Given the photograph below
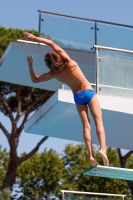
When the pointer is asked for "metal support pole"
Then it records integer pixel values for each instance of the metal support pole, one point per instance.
(62, 86)
(90, 193)
(97, 71)
(63, 196)
(96, 33)
(39, 26)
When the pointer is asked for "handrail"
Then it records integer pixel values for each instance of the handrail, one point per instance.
(112, 49)
(87, 19)
(93, 193)
(97, 47)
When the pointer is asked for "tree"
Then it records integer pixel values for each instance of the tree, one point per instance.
(4, 159)
(126, 162)
(21, 101)
(76, 160)
(9, 35)
(17, 102)
(41, 174)
(5, 194)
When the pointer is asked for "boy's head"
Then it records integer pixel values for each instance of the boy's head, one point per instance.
(54, 61)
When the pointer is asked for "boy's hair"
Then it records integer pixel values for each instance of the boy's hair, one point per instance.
(54, 61)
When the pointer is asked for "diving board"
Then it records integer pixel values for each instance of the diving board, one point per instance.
(110, 172)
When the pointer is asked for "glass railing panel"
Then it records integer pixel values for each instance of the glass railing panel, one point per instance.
(68, 32)
(115, 74)
(115, 36)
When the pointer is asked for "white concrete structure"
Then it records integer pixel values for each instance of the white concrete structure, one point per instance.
(58, 118)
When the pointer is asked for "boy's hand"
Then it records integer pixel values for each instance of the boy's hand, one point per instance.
(30, 59)
(29, 36)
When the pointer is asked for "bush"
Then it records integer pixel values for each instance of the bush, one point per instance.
(5, 194)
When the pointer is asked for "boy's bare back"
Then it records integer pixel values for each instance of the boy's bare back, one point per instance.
(72, 76)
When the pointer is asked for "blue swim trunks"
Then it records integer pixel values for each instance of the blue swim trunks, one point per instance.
(84, 97)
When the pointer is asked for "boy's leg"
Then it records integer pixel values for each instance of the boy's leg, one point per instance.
(97, 116)
(83, 113)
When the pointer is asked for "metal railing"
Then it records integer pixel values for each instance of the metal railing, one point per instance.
(106, 36)
(91, 193)
(87, 19)
(103, 27)
(97, 47)
(112, 49)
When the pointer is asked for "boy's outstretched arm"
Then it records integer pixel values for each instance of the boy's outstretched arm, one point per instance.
(43, 77)
(55, 47)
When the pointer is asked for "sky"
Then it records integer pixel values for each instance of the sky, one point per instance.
(23, 14)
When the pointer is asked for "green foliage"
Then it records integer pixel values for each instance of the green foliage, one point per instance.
(42, 173)
(5, 194)
(11, 34)
(48, 173)
(4, 158)
(129, 163)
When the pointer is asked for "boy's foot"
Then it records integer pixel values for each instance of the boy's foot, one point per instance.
(93, 162)
(104, 157)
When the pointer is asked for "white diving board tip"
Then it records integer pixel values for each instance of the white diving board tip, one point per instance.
(110, 172)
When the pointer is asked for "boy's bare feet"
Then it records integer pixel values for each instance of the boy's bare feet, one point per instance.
(104, 157)
(93, 162)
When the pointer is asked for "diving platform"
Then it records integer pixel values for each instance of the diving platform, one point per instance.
(58, 118)
(110, 172)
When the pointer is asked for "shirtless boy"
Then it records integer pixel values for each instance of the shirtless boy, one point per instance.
(66, 70)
